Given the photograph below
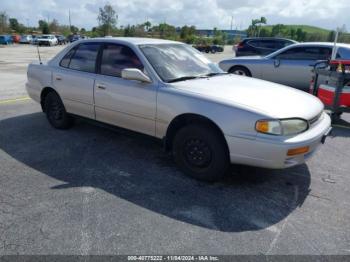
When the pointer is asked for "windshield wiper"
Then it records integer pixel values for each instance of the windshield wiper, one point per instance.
(183, 78)
(214, 74)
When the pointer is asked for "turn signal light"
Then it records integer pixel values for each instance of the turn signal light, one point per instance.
(298, 151)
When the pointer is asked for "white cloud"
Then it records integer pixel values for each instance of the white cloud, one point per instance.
(202, 13)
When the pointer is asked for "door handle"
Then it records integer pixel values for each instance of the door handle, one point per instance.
(58, 78)
(102, 87)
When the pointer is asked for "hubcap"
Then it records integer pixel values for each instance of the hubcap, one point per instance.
(197, 153)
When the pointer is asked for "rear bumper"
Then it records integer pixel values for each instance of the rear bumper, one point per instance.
(271, 152)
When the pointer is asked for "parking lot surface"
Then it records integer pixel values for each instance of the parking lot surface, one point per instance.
(97, 190)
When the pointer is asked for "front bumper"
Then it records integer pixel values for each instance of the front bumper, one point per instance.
(271, 151)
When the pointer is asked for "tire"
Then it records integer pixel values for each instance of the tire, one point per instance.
(56, 113)
(201, 152)
(240, 70)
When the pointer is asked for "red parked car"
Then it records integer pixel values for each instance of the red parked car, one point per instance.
(16, 38)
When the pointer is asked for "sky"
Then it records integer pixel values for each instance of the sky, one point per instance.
(204, 14)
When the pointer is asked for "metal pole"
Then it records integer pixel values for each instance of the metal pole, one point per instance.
(334, 52)
(70, 23)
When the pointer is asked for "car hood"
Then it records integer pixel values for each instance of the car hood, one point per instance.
(270, 99)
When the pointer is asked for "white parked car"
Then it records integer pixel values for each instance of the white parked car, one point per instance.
(49, 40)
(166, 89)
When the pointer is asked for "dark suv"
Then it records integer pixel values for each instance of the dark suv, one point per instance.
(261, 46)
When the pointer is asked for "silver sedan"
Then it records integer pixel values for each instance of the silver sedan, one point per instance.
(289, 66)
(205, 117)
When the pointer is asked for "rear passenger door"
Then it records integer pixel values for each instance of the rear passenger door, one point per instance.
(293, 66)
(75, 77)
(126, 103)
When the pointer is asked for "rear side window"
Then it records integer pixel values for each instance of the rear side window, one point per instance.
(254, 43)
(66, 59)
(116, 57)
(82, 58)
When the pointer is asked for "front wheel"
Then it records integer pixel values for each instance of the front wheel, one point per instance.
(201, 152)
(56, 113)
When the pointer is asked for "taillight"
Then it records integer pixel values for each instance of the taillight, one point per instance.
(240, 45)
(312, 83)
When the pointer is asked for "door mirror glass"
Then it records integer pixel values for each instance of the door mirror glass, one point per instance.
(135, 74)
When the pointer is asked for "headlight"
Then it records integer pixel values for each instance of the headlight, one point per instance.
(294, 126)
(282, 127)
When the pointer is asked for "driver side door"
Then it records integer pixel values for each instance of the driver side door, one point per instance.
(293, 67)
(125, 103)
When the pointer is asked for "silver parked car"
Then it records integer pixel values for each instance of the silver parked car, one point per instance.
(289, 66)
(26, 39)
(168, 90)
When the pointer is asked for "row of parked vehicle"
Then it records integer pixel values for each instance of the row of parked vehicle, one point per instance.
(48, 39)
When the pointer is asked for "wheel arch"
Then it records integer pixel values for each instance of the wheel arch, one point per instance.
(183, 120)
(240, 66)
(44, 92)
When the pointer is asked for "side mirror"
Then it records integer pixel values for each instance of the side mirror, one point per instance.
(135, 74)
(277, 62)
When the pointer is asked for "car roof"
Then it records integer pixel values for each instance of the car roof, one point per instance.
(131, 40)
(269, 38)
(326, 44)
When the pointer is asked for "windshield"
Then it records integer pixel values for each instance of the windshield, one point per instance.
(178, 62)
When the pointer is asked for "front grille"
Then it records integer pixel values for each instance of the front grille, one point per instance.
(315, 119)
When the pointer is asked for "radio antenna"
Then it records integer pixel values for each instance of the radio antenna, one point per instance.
(37, 48)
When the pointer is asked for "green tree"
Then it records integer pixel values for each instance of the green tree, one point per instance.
(107, 19)
(292, 33)
(54, 26)
(44, 27)
(3, 22)
(278, 30)
(147, 25)
(129, 31)
(301, 35)
(331, 36)
(14, 25)
(74, 29)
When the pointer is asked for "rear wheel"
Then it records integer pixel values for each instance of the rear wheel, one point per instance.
(201, 152)
(240, 70)
(56, 113)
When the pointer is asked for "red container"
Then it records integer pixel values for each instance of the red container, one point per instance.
(326, 95)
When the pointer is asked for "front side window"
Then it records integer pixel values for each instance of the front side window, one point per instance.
(176, 61)
(84, 57)
(116, 57)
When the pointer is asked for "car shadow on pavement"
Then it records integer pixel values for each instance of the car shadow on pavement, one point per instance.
(135, 168)
(341, 128)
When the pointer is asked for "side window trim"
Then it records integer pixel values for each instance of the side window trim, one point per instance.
(74, 49)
